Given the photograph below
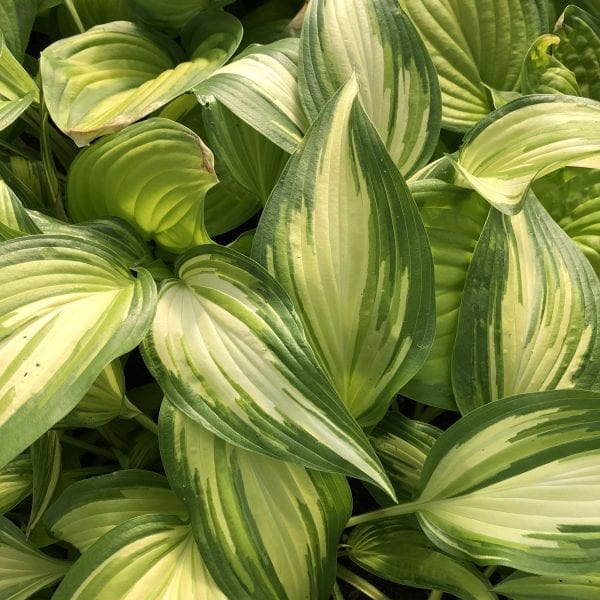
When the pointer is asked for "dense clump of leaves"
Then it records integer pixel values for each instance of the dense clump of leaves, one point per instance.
(249, 250)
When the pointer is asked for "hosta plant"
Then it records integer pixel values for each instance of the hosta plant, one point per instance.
(299, 300)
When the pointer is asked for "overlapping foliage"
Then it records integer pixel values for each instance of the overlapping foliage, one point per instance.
(249, 252)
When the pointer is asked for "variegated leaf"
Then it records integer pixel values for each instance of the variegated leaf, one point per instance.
(152, 557)
(16, 482)
(343, 236)
(402, 444)
(211, 324)
(46, 457)
(23, 568)
(474, 43)
(579, 48)
(14, 219)
(516, 482)
(393, 550)
(88, 509)
(398, 85)
(113, 234)
(543, 73)
(154, 175)
(134, 71)
(261, 88)
(65, 312)
(524, 586)
(529, 317)
(453, 219)
(267, 529)
(11, 110)
(572, 197)
(15, 82)
(525, 139)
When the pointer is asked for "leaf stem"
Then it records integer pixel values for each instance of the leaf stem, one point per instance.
(435, 595)
(383, 513)
(147, 423)
(368, 589)
(71, 441)
(74, 15)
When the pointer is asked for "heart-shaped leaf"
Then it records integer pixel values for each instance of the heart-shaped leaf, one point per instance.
(99, 81)
(211, 324)
(65, 312)
(154, 175)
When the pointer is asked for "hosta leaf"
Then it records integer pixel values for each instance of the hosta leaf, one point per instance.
(65, 312)
(529, 314)
(152, 557)
(579, 48)
(112, 75)
(88, 509)
(269, 21)
(572, 197)
(402, 444)
(476, 42)
(16, 481)
(11, 110)
(23, 568)
(228, 205)
(91, 12)
(343, 236)
(174, 13)
(266, 528)
(261, 88)
(516, 482)
(14, 219)
(46, 462)
(154, 175)
(524, 586)
(103, 402)
(16, 21)
(113, 234)
(453, 218)
(542, 73)
(211, 324)
(529, 137)
(393, 550)
(165, 14)
(254, 161)
(15, 82)
(398, 85)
